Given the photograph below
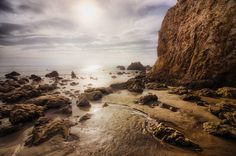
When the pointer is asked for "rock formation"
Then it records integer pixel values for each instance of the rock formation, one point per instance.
(196, 45)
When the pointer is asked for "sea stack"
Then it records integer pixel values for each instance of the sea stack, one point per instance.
(196, 45)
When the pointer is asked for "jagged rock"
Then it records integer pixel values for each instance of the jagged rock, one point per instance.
(45, 128)
(21, 113)
(74, 83)
(156, 86)
(47, 87)
(93, 96)
(218, 129)
(170, 135)
(104, 90)
(66, 110)
(207, 92)
(6, 88)
(179, 91)
(136, 66)
(148, 67)
(5, 110)
(227, 92)
(121, 85)
(50, 101)
(35, 78)
(73, 75)
(224, 111)
(191, 97)
(6, 127)
(85, 117)
(82, 101)
(52, 74)
(105, 105)
(13, 75)
(192, 50)
(147, 99)
(23, 81)
(136, 84)
(121, 67)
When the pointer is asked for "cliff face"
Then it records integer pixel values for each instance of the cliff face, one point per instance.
(196, 45)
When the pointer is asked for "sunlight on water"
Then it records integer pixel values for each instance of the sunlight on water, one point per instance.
(92, 68)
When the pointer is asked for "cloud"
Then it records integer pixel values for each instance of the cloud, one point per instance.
(5, 6)
(7, 29)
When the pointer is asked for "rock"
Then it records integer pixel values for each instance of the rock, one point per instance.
(156, 86)
(6, 88)
(224, 111)
(47, 87)
(191, 50)
(170, 135)
(85, 117)
(5, 110)
(119, 73)
(148, 67)
(12, 75)
(207, 92)
(147, 99)
(104, 90)
(93, 96)
(105, 105)
(136, 84)
(121, 67)
(82, 101)
(6, 127)
(73, 75)
(50, 101)
(74, 83)
(190, 97)
(218, 129)
(66, 110)
(53, 74)
(21, 113)
(121, 85)
(35, 78)
(114, 77)
(23, 81)
(179, 91)
(45, 128)
(136, 66)
(227, 92)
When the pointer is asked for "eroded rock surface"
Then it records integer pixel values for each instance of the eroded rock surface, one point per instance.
(136, 66)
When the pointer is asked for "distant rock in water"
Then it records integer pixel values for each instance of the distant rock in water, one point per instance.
(121, 67)
(35, 78)
(12, 75)
(196, 45)
(136, 66)
(52, 74)
(73, 75)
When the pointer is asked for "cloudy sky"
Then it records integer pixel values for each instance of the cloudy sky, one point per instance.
(44, 32)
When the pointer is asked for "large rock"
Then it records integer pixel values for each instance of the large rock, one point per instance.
(147, 99)
(82, 101)
(6, 127)
(21, 113)
(196, 45)
(227, 92)
(156, 86)
(12, 75)
(5, 110)
(52, 74)
(136, 66)
(35, 78)
(45, 128)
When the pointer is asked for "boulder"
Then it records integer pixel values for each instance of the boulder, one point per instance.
(147, 99)
(179, 91)
(104, 90)
(207, 92)
(12, 75)
(136, 66)
(5, 110)
(93, 96)
(53, 74)
(6, 127)
(218, 129)
(21, 113)
(121, 67)
(194, 52)
(35, 78)
(45, 128)
(23, 81)
(82, 101)
(118, 86)
(227, 92)
(136, 84)
(156, 86)
(74, 83)
(73, 75)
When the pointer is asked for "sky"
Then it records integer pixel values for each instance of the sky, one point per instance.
(68, 32)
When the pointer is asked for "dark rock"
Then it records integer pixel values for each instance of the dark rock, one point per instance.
(52, 74)
(190, 97)
(156, 86)
(218, 129)
(82, 101)
(147, 99)
(104, 90)
(6, 127)
(179, 91)
(45, 128)
(119, 73)
(170, 135)
(35, 78)
(66, 110)
(227, 92)
(148, 67)
(136, 66)
(23, 81)
(93, 96)
(191, 50)
(47, 87)
(73, 75)
(12, 75)
(135, 85)
(113, 77)
(207, 92)
(121, 85)
(121, 67)
(105, 105)
(5, 110)
(21, 113)
(74, 83)
(85, 117)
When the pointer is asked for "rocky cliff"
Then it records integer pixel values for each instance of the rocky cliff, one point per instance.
(196, 45)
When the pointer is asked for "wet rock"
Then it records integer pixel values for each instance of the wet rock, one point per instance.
(179, 91)
(73, 75)
(94, 95)
(136, 66)
(66, 110)
(119, 73)
(6, 127)
(47, 87)
(135, 85)
(82, 101)
(104, 90)
(207, 92)
(227, 92)
(35, 78)
(121, 85)
(85, 117)
(224, 111)
(6, 88)
(53, 74)
(23, 81)
(50, 101)
(156, 86)
(114, 77)
(170, 135)
(218, 129)
(5, 110)
(74, 83)
(45, 128)
(105, 105)
(13, 75)
(148, 67)
(147, 99)
(121, 67)
(193, 98)
(21, 113)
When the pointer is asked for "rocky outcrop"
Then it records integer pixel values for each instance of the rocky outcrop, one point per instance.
(52, 74)
(196, 45)
(136, 66)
